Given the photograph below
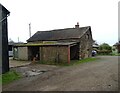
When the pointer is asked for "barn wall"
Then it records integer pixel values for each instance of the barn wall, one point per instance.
(22, 53)
(1, 41)
(86, 45)
(4, 39)
(118, 48)
(57, 54)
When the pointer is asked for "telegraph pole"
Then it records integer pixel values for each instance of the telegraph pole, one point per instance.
(18, 39)
(29, 29)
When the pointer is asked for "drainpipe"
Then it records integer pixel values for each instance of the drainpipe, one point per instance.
(68, 54)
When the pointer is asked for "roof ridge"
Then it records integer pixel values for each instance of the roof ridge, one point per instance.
(57, 34)
(84, 32)
(55, 30)
(61, 29)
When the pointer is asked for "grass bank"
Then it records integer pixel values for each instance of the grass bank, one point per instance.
(76, 62)
(111, 54)
(9, 77)
(73, 62)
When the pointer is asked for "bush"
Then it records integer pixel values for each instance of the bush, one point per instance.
(104, 52)
(105, 49)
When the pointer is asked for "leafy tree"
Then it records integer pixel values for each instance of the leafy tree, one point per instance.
(105, 46)
(105, 49)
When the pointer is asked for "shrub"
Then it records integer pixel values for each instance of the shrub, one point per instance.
(105, 49)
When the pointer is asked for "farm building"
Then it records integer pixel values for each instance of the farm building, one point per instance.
(116, 47)
(4, 58)
(54, 52)
(60, 45)
(10, 47)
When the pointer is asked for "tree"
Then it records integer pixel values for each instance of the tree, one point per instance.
(105, 46)
(105, 49)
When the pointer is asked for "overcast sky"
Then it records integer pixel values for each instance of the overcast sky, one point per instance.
(101, 15)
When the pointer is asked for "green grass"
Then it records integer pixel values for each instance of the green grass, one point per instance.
(111, 54)
(117, 54)
(9, 77)
(76, 62)
(73, 62)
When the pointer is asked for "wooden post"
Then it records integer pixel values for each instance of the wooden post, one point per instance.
(68, 54)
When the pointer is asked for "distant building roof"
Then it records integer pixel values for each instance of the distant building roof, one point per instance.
(14, 43)
(95, 46)
(59, 34)
(116, 44)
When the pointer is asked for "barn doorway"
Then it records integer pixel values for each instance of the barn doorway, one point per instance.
(33, 51)
(74, 52)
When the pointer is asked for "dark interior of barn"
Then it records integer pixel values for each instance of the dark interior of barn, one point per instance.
(33, 51)
(74, 52)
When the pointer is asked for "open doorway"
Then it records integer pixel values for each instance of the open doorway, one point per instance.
(74, 52)
(33, 51)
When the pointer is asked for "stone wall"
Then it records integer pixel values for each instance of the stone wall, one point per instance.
(86, 45)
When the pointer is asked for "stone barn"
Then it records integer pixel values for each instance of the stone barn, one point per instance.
(117, 46)
(60, 45)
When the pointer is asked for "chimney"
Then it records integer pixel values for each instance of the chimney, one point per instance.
(77, 26)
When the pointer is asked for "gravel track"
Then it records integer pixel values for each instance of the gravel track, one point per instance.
(100, 75)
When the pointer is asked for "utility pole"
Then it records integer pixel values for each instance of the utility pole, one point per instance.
(18, 39)
(29, 29)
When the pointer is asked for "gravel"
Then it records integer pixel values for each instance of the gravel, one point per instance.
(100, 75)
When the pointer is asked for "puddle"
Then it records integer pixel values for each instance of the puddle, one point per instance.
(34, 72)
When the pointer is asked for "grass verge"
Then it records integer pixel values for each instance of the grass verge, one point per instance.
(9, 77)
(76, 62)
(73, 62)
(112, 54)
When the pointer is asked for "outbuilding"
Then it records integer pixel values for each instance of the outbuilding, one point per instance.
(56, 52)
(59, 45)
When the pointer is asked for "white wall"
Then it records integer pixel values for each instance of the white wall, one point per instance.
(22, 53)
